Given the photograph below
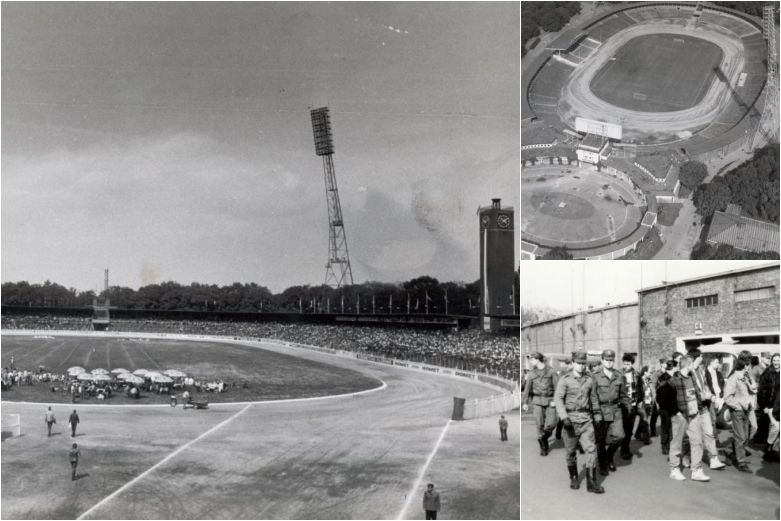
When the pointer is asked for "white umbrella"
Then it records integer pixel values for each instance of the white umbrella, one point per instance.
(174, 373)
(162, 379)
(125, 376)
(99, 370)
(134, 379)
(152, 374)
(76, 368)
(140, 372)
(85, 376)
(119, 370)
(101, 378)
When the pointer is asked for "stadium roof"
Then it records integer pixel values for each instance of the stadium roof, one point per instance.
(743, 232)
(719, 275)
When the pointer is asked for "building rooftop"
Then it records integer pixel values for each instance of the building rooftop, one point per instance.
(592, 141)
(743, 232)
(590, 310)
(721, 274)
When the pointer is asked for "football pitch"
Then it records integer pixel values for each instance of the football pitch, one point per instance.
(658, 73)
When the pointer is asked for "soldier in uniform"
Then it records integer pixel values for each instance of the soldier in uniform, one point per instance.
(576, 402)
(610, 389)
(540, 386)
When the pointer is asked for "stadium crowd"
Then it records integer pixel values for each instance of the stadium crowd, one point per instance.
(468, 349)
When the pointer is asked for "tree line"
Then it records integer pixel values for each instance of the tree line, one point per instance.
(544, 16)
(420, 295)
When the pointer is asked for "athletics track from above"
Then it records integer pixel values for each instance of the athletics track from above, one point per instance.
(362, 456)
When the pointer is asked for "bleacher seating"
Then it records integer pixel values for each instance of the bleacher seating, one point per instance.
(544, 91)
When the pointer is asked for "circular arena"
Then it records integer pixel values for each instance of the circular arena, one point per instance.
(667, 77)
(576, 207)
(320, 434)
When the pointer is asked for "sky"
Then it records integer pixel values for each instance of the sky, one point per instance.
(569, 286)
(172, 141)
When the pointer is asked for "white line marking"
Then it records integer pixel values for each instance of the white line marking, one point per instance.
(411, 493)
(153, 467)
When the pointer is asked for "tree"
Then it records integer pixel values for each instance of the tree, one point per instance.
(692, 174)
(711, 197)
(557, 253)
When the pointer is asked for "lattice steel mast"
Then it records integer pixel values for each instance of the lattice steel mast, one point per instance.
(338, 272)
(768, 124)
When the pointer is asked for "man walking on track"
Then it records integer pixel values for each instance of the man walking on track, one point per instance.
(431, 502)
(50, 420)
(73, 420)
(503, 428)
(73, 456)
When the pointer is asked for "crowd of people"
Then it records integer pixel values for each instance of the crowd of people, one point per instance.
(594, 410)
(466, 349)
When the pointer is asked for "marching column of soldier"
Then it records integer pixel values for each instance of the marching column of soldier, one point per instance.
(596, 411)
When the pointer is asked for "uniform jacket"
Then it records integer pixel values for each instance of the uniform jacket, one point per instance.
(611, 393)
(540, 385)
(575, 398)
(737, 394)
(431, 500)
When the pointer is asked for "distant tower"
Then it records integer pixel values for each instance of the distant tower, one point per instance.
(337, 271)
(100, 308)
(768, 124)
(497, 264)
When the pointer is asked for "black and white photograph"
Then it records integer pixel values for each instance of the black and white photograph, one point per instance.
(649, 130)
(650, 390)
(259, 260)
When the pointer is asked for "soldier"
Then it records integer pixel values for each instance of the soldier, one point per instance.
(610, 389)
(540, 386)
(575, 400)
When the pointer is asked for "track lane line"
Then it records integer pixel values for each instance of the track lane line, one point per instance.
(422, 472)
(159, 463)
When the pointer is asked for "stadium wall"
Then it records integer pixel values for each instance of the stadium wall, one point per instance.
(509, 399)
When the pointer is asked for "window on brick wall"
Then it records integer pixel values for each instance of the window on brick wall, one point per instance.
(698, 302)
(745, 295)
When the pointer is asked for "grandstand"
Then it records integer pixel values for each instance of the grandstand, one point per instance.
(544, 90)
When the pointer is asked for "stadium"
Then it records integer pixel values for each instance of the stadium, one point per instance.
(638, 89)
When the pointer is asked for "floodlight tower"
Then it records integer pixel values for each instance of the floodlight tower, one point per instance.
(337, 271)
(768, 124)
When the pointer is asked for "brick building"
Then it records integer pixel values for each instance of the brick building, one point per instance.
(741, 304)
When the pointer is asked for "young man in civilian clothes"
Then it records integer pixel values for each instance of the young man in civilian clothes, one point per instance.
(612, 398)
(766, 398)
(431, 502)
(74, 421)
(50, 420)
(689, 418)
(634, 393)
(659, 371)
(666, 399)
(739, 399)
(540, 386)
(576, 400)
(708, 433)
(73, 457)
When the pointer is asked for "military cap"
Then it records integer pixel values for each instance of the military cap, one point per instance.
(538, 356)
(609, 353)
(579, 357)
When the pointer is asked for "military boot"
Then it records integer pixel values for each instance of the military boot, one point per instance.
(545, 446)
(574, 482)
(610, 453)
(543, 452)
(591, 482)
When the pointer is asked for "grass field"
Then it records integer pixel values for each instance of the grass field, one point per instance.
(267, 375)
(658, 73)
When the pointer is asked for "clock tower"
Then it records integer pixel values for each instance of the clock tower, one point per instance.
(497, 265)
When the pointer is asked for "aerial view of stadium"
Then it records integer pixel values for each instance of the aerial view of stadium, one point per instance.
(185, 333)
(662, 100)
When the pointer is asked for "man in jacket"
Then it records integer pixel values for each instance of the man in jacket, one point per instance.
(659, 371)
(431, 502)
(634, 392)
(767, 395)
(576, 400)
(540, 386)
(690, 418)
(50, 420)
(666, 399)
(708, 399)
(73, 420)
(610, 389)
(739, 399)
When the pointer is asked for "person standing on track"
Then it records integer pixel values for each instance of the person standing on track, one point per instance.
(73, 457)
(503, 428)
(431, 502)
(50, 420)
(540, 386)
(73, 420)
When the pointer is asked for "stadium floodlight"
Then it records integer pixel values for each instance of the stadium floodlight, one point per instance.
(321, 126)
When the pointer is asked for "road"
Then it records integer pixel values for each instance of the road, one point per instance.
(680, 238)
(642, 489)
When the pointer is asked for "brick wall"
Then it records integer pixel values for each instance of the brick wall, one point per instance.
(664, 316)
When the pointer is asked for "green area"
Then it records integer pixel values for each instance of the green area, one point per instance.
(667, 213)
(753, 185)
(692, 174)
(557, 253)
(658, 73)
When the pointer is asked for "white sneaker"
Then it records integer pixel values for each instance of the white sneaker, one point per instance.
(717, 464)
(699, 475)
(687, 462)
(677, 475)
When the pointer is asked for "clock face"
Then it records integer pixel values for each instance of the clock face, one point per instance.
(503, 221)
(485, 220)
